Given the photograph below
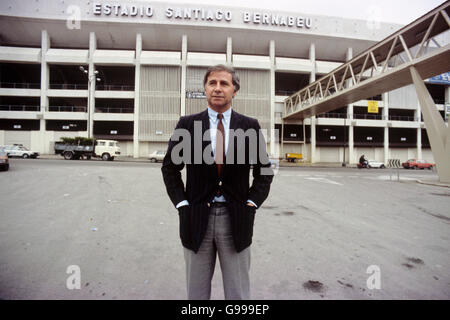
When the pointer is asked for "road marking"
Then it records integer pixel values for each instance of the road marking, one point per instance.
(324, 180)
(294, 175)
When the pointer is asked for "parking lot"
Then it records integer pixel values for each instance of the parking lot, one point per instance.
(319, 235)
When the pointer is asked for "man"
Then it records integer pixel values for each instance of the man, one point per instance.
(363, 161)
(217, 207)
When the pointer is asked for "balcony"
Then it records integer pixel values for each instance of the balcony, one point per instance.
(368, 116)
(17, 85)
(67, 109)
(403, 118)
(4, 107)
(114, 110)
(333, 115)
(285, 92)
(371, 144)
(69, 86)
(114, 87)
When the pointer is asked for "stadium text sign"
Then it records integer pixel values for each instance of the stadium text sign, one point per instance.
(199, 14)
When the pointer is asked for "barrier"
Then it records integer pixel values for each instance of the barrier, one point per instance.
(394, 164)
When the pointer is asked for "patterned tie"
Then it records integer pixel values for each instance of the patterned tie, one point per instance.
(220, 144)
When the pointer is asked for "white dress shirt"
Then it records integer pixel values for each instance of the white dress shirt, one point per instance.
(213, 123)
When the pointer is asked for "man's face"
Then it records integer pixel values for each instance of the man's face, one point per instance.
(219, 90)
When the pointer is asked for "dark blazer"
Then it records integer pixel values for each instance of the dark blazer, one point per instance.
(202, 182)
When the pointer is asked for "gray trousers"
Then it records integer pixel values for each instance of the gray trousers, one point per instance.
(235, 266)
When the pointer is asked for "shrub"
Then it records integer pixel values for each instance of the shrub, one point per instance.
(80, 141)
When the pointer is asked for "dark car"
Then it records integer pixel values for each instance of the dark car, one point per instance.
(4, 161)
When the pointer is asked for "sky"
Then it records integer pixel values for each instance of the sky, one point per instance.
(396, 11)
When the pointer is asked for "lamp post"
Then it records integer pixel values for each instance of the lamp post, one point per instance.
(345, 137)
(92, 77)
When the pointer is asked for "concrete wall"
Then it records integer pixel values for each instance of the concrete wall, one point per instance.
(403, 98)
(126, 148)
(376, 154)
(159, 108)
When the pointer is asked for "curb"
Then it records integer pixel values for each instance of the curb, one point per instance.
(437, 184)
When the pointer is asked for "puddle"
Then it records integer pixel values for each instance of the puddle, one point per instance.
(312, 285)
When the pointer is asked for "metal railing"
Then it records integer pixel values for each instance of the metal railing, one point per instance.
(356, 116)
(113, 110)
(17, 85)
(333, 115)
(68, 86)
(114, 87)
(7, 107)
(66, 109)
(403, 118)
(368, 116)
(284, 92)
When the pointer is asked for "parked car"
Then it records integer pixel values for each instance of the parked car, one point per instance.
(157, 155)
(376, 164)
(104, 149)
(18, 150)
(4, 161)
(417, 164)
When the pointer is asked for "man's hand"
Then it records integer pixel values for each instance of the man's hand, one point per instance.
(250, 204)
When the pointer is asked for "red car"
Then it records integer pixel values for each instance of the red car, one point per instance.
(417, 164)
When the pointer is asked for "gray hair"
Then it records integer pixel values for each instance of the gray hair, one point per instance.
(230, 70)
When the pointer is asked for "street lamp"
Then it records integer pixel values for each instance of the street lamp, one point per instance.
(345, 138)
(92, 77)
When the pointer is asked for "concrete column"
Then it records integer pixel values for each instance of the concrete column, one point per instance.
(313, 139)
(386, 145)
(447, 101)
(419, 143)
(351, 144)
(438, 132)
(137, 94)
(312, 58)
(91, 80)
(183, 75)
(272, 98)
(45, 75)
(282, 139)
(45, 45)
(417, 115)
(229, 51)
(349, 56)
(386, 129)
(385, 97)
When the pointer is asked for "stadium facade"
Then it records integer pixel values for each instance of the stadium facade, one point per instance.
(127, 70)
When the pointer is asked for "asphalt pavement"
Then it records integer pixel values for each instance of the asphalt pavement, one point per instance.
(323, 233)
